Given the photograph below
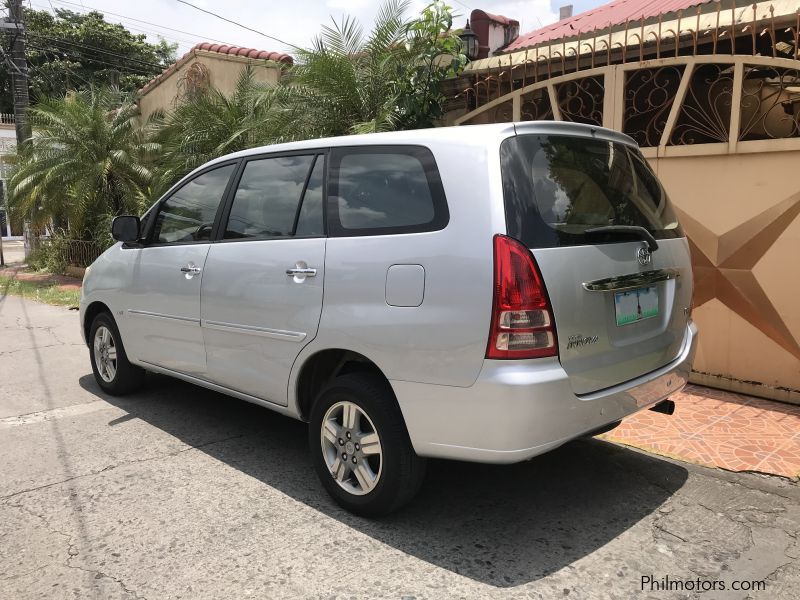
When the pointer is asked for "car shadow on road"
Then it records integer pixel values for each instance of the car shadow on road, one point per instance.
(500, 525)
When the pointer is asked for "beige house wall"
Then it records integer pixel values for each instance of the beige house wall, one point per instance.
(745, 204)
(223, 72)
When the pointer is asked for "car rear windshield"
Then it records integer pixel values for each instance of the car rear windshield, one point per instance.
(558, 187)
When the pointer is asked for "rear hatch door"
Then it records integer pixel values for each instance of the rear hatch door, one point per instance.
(612, 255)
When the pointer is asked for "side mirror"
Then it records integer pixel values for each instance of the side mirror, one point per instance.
(125, 228)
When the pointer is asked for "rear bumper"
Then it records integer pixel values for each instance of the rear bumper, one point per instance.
(518, 409)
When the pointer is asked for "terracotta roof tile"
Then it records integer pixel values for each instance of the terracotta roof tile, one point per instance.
(613, 13)
(278, 57)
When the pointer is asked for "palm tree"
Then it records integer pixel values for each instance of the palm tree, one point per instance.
(210, 124)
(351, 83)
(86, 161)
(346, 82)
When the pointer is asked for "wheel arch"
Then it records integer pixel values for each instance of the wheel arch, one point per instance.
(321, 367)
(94, 309)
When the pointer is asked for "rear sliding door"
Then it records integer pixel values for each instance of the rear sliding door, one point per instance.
(262, 282)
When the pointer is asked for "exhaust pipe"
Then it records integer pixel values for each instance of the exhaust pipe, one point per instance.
(666, 407)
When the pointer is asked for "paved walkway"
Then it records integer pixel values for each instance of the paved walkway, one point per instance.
(13, 251)
(720, 429)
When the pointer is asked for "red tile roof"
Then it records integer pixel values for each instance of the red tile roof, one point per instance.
(248, 52)
(278, 57)
(613, 13)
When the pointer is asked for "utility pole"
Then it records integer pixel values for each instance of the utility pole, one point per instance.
(18, 67)
(3, 221)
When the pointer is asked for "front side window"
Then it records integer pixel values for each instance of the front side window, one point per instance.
(188, 214)
(267, 200)
(385, 189)
(557, 187)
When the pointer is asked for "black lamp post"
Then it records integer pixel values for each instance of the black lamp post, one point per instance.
(469, 42)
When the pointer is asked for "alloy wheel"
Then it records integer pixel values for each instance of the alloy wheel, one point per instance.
(352, 448)
(105, 354)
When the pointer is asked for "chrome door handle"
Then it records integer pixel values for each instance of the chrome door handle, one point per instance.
(191, 270)
(304, 271)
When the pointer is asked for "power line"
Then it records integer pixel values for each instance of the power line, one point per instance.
(9, 62)
(196, 35)
(123, 21)
(213, 14)
(100, 49)
(59, 59)
(95, 48)
(101, 62)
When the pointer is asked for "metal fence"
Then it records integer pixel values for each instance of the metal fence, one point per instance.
(65, 252)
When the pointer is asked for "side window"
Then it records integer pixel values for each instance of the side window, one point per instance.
(188, 214)
(383, 190)
(268, 197)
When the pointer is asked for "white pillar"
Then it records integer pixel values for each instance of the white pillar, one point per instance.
(8, 214)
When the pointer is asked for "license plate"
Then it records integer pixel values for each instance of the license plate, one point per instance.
(636, 305)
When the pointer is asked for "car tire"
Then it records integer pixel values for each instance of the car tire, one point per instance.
(113, 372)
(379, 475)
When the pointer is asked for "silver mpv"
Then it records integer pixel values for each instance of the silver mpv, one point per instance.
(480, 293)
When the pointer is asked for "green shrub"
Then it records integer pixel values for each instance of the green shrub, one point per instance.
(48, 257)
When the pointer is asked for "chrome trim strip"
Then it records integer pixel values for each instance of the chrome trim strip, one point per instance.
(629, 282)
(276, 406)
(152, 315)
(278, 334)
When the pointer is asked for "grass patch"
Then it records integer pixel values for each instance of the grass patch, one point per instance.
(47, 292)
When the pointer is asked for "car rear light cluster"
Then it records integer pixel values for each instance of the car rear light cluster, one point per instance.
(522, 320)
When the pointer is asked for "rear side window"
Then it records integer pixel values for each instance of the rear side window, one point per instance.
(377, 190)
(267, 200)
(557, 187)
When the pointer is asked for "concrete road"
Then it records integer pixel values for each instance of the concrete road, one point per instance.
(13, 252)
(178, 492)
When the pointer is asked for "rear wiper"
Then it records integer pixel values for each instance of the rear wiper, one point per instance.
(633, 230)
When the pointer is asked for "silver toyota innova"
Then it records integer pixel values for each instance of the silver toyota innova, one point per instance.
(481, 293)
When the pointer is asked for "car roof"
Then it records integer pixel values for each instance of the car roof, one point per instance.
(466, 135)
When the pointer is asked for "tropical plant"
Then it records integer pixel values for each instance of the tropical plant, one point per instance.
(351, 83)
(87, 161)
(433, 54)
(210, 124)
(347, 82)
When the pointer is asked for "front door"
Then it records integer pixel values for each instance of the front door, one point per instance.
(163, 300)
(262, 282)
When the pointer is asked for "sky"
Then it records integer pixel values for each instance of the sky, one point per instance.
(293, 22)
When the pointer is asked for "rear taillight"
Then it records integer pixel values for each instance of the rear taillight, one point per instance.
(522, 320)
